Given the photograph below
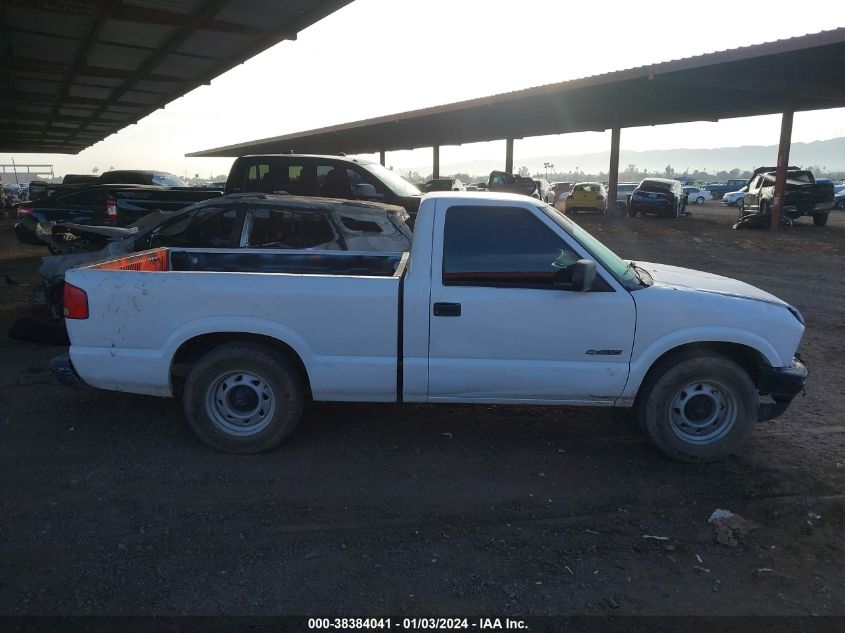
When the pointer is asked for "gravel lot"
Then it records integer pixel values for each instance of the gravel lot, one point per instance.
(109, 505)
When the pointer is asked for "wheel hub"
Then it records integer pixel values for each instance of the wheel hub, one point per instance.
(699, 408)
(242, 399)
(702, 412)
(241, 403)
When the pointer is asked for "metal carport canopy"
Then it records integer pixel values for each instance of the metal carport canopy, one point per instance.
(793, 74)
(72, 72)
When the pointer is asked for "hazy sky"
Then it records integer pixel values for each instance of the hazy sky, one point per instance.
(376, 57)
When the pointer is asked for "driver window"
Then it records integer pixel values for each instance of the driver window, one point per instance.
(499, 246)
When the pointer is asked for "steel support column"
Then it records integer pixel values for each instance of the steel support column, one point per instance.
(509, 155)
(435, 171)
(783, 163)
(381, 157)
(613, 173)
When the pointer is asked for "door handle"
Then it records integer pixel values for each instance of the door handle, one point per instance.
(447, 309)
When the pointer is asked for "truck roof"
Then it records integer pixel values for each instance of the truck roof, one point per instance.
(360, 161)
(305, 202)
(480, 195)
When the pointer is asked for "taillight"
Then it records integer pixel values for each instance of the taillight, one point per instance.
(111, 211)
(75, 302)
(24, 210)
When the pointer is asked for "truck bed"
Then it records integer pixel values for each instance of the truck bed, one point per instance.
(338, 311)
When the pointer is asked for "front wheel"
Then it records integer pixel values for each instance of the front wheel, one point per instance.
(697, 407)
(820, 219)
(699, 200)
(243, 398)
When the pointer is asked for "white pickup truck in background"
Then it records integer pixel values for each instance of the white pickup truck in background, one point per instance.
(502, 299)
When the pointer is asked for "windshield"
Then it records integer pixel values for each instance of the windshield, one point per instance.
(394, 181)
(167, 180)
(617, 266)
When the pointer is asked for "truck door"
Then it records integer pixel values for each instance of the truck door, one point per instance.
(505, 327)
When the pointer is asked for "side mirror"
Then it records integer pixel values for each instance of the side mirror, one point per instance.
(583, 275)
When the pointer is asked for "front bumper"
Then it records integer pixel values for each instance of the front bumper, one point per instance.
(63, 370)
(782, 384)
(584, 205)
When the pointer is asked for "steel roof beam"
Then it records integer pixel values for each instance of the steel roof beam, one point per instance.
(130, 13)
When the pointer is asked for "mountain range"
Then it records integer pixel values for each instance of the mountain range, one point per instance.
(829, 154)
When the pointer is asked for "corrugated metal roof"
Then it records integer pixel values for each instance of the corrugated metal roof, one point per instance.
(799, 73)
(73, 72)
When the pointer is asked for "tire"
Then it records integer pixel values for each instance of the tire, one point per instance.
(699, 200)
(632, 213)
(262, 378)
(820, 219)
(683, 388)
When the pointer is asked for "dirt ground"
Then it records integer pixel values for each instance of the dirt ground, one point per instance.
(109, 505)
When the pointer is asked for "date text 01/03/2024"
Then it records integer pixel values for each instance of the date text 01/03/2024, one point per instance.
(416, 623)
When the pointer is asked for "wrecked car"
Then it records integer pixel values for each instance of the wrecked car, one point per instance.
(246, 220)
(502, 300)
(504, 182)
(803, 196)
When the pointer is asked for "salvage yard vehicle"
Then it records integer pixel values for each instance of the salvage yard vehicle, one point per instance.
(586, 196)
(245, 221)
(803, 195)
(322, 176)
(661, 196)
(443, 184)
(735, 198)
(504, 182)
(100, 205)
(502, 299)
(697, 195)
(719, 190)
(561, 190)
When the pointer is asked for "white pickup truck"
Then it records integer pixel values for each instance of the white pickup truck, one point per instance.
(502, 299)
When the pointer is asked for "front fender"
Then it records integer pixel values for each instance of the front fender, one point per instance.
(700, 335)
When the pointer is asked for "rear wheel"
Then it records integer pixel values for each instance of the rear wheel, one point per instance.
(699, 200)
(632, 213)
(243, 398)
(697, 407)
(820, 219)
